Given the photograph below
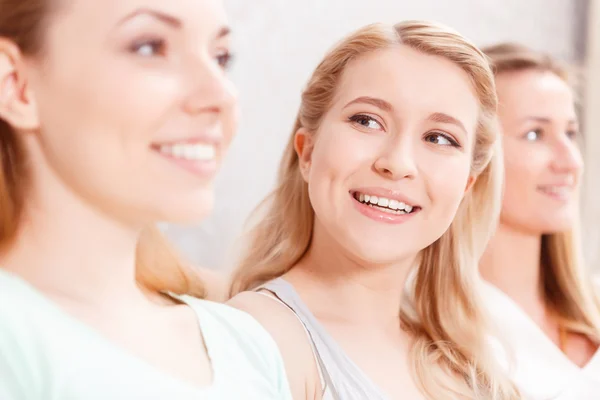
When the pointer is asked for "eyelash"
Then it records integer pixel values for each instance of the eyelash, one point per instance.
(453, 142)
(225, 60)
(572, 134)
(539, 134)
(358, 117)
(158, 47)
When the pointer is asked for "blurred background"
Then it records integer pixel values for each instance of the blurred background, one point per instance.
(278, 43)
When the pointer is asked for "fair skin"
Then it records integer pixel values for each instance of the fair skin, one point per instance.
(216, 284)
(543, 166)
(119, 82)
(378, 137)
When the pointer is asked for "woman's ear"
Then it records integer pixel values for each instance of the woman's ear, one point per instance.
(17, 106)
(304, 144)
(470, 182)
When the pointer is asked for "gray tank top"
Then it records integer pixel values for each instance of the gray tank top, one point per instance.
(341, 378)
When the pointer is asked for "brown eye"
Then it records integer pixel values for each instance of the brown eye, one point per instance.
(441, 139)
(224, 60)
(149, 47)
(533, 136)
(366, 121)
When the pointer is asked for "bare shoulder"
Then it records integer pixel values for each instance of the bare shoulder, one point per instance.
(290, 336)
(279, 321)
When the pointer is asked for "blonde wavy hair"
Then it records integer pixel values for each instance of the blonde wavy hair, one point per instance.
(567, 285)
(159, 268)
(451, 358)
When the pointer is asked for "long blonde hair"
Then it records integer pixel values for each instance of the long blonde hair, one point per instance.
(567, 286)
(451, 358)
(158, 266)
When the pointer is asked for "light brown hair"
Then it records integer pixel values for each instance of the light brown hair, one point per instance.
(158, 267)
(450, 355)
(567, 287)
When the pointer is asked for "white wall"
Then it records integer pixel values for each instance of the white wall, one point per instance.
(592, 139)
(279, 42)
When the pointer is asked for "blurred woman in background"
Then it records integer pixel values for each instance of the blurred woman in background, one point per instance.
(364, 263)
(541, 294)
(115, 115)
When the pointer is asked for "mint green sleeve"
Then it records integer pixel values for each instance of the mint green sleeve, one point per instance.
(11, 387)
(274, 359)
(21, 352)
(281, 378)
(17, 378)
(250, 347)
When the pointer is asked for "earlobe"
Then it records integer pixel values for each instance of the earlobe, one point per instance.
(303, 144)
(470, 182)
(17, 106)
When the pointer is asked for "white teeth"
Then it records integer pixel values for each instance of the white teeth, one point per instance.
(390, 204)
(189, 152)
(194, 152)
(178, 151)
(166, 150)
(560, 191)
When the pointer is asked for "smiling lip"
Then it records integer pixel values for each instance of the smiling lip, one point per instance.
(561, 192)
(388, 194)
(377, 214)
(206, 138)
(197, 155)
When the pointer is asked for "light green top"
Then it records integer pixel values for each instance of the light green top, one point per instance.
(45, 354)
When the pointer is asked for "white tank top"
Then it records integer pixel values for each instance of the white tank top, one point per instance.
(341, 378)
(540, 369)
(45, 354)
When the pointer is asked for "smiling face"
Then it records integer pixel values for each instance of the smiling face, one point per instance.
(391, 160)
(134, 108)
(542, 159)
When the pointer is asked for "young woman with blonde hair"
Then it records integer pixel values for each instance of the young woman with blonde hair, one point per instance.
(541, 294)
(115, 115)
(363, 264)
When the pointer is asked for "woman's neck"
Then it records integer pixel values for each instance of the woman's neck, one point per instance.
(69, 250)
(512, 263)
(356, 290)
